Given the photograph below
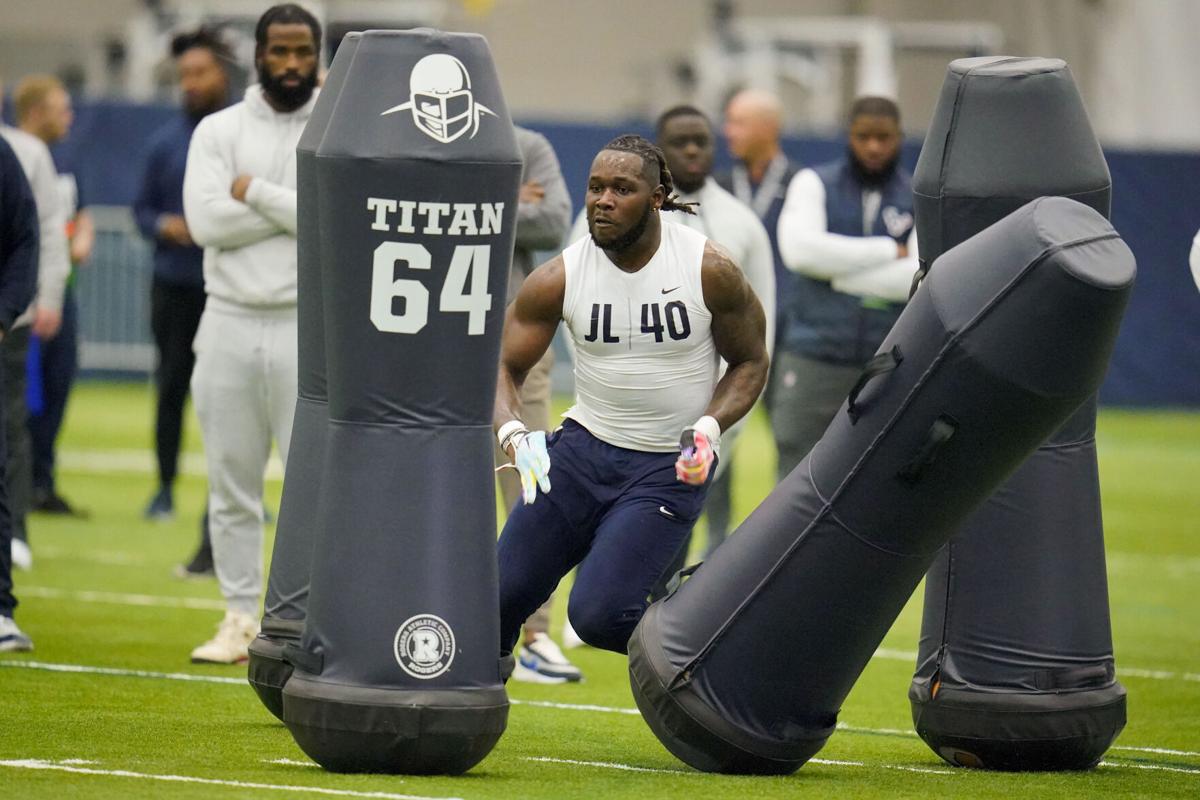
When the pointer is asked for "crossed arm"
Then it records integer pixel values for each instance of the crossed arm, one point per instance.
(214, 217)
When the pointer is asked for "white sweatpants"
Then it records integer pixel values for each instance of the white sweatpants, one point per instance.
(244, 389)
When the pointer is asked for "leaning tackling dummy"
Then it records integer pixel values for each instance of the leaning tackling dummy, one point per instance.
(649, 305)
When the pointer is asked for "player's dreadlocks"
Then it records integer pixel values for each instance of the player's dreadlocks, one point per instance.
(651, 156)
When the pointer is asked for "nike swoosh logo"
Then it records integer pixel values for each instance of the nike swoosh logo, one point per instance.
(663, 509)
(668, 291)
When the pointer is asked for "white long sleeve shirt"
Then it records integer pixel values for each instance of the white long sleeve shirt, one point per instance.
(54, 258)
(250, 247)
(865, 266)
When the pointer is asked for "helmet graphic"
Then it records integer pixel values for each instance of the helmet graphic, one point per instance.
(440, 99)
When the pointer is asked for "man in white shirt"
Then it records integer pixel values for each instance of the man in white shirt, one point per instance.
(846, 232)
(239, 198)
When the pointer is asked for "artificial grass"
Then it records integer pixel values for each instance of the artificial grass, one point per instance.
(219, 731)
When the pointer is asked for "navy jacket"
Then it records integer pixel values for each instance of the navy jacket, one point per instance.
(828, 325)
(18, 239)
(162, 193)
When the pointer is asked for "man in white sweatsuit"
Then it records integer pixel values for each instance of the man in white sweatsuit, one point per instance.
(239, 199)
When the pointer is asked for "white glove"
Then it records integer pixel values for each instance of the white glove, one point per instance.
(533, 465)
(531, 460)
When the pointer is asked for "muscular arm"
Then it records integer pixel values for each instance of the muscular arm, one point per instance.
(739, 332)
(529, 326)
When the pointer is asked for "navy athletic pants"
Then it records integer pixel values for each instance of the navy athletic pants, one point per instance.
(619, 514)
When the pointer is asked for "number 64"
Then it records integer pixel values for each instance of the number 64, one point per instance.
(469, 263)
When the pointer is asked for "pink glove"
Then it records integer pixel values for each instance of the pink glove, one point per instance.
(695, 457)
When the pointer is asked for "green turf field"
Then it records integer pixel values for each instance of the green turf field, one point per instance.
(108, 705)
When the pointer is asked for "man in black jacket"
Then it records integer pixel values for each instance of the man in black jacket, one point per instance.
(18, 280)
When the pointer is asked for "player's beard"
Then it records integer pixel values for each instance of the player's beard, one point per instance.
(288, 98)
(623, 241)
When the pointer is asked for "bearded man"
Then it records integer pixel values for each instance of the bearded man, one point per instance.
(239, 201)
(846, 233)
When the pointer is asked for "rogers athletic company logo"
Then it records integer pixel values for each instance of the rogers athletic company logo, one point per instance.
(440, 99)
(424, 646)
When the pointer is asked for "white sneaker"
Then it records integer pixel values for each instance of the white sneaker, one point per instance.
(234, 635)
(12, 638)
(541, 661)
(570, 638)
(22, 556)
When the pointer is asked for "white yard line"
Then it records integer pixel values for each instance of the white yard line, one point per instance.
(822, 761)
(889, 654)
(841, 726)
(901, 767)
(107, 557)
(289, 762)
(1160, 750)
(1157, 674)
(82, 669)
(607, 765)
(70, 766)
(142, 462)
(192, 677)
(1157, 767)
(575, 707)
(121, 599)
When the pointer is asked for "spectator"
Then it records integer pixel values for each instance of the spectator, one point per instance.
(18, 278)
(846, 231)
(43, 319)
(177, 287)
(760, 176)
(43, 109)
(239, 200)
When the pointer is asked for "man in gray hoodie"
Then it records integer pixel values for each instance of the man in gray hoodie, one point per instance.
(239, 199)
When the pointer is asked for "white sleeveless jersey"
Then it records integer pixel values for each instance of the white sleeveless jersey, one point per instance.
(645, 362)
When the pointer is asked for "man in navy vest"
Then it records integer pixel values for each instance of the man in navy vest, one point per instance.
(846, 232)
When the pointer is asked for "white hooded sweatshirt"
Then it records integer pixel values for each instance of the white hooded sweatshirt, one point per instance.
(250, 247)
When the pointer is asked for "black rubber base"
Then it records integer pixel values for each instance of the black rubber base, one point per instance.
(268, 672)
(1019, 732)
(359, 729)
(692, 731)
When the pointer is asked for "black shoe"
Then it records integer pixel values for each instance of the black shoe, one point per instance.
(161, 508)
(201, 566)
(50, 502)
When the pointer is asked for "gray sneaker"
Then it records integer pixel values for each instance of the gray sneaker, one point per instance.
(541, 661)
(12, 638)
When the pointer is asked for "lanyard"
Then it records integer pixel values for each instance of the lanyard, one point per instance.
(761, 200)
